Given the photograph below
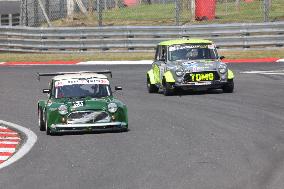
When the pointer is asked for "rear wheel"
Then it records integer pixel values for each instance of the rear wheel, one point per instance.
(40, 120)
(229, 87)
(151, 88)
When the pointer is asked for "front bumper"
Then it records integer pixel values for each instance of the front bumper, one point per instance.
(201, 85)
(110, 126)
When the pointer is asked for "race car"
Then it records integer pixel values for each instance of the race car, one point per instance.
(81, 101)
(188, 64)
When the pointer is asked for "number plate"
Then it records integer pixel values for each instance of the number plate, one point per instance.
(202, 77)
(78, 104)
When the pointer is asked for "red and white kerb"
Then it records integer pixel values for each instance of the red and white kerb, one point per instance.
(9, 140)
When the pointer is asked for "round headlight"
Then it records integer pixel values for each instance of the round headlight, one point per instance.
(180, 72)
(63, 109)
(112, 107)
(222, 68)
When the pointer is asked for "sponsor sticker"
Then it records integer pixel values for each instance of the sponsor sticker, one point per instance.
(81, 81)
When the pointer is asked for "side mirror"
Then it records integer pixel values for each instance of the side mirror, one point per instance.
(46, 91)
(222, 57)
(118, 88)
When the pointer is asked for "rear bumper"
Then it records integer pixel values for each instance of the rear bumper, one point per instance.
(111, 126)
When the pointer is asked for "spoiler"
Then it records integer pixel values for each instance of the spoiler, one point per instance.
(106, 72)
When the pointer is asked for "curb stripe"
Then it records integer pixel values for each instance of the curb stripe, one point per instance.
(27, 144)
(9, 138)
(8, 142)
(5, 154)
(11, 133)
(12, 150)
(8, 145)
(7, 135)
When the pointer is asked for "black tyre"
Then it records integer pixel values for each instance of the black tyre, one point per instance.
(151, 88)
(47, 129)
(168, 89)
(229, 87)
(40, 120)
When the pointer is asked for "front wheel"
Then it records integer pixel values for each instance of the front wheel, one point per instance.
(47, 129)
(229, 87)
(40, 120)
(151, 88)
(168, 89)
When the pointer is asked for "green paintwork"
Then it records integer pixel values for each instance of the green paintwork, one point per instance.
(52, 116)
(169, 77)
(185, 41)
(230, 74)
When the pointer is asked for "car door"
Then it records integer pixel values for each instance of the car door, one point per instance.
(160, 63)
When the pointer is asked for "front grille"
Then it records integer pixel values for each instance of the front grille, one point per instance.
(88, 117)
(201, 77)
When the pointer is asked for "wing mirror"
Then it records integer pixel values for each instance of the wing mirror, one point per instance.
(117, 88)
(222, 57)
(46, 91)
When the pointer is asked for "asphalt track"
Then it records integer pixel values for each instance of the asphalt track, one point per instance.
(196, 140)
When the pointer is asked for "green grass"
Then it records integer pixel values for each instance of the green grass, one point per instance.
(24, 57)
(164, 14)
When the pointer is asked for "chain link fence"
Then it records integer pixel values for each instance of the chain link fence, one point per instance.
(61, 13)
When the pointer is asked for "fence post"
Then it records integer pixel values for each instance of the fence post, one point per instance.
(177, 8)
(266, 10)
(100, 13)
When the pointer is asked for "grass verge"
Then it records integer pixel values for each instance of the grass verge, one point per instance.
(29, 57)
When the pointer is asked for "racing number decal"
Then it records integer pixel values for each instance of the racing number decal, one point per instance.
(202, 77)
(78, 104)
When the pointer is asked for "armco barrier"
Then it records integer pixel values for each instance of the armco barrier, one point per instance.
(137, 38)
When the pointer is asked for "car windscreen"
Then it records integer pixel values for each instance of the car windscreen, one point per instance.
(192, 52)
(95, 88)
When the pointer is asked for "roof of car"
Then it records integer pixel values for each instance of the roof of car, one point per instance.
(80, 76)
(185, 41)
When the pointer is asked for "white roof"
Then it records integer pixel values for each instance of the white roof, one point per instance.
(80, 76)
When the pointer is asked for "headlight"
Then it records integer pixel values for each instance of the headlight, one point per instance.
(222, 68)
(63, 109)
(180, 72)
(112, 107)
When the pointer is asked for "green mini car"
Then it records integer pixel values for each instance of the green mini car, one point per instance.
(188, 64)
(81, 101)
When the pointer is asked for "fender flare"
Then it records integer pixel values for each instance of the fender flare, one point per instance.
(150, 75)
(230, 74)
(169, 78)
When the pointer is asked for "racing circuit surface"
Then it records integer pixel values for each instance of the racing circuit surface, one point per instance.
(197, 140)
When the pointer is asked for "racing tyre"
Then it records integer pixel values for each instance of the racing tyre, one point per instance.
(47, 129)
(40, 120)
(151, 88)
(168, 89)
(229, 87)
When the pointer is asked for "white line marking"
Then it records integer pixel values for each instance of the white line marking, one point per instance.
(271, 73)
(263, 71)
(12, 150)
(31, 139)
(140, 62)
(280, 60)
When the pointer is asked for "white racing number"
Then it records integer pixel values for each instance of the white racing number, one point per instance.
(78, 104)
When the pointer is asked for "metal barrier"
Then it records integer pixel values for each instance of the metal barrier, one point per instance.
(9, 19)
(137, 38)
